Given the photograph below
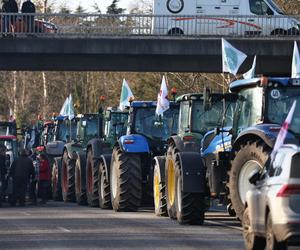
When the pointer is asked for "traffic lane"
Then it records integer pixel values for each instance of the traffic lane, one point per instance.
(63, 226)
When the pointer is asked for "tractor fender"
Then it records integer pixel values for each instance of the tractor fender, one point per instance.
(160, 161)
(134, 144)
(266, 132)
(96, 146)
(193, 172)
(106, 159)
(55, 148)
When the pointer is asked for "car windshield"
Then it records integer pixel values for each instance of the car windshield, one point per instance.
(152, 126)
(279, 103)
(204, 121)
(64, 130)
(275, 7)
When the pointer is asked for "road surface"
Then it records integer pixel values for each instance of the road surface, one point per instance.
(61, 225)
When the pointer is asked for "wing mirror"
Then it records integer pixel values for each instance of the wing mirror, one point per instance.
(254, 176)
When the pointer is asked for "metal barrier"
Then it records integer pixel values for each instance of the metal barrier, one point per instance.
(95, 25)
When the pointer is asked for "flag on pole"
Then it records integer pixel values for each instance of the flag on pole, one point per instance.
(70, 112)
(251, 73)
(296, 62)
(232, 58)
(126, 94)
(283, 131)
(163, 103)
(64, 109)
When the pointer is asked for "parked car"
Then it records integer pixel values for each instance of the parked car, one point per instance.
(272, 214)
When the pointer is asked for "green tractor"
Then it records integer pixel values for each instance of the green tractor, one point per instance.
(179, 185)
(90, 162)
(89, 126)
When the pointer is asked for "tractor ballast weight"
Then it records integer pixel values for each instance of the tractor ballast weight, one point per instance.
(262, 107)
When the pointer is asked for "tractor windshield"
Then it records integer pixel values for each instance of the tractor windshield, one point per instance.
(11, 147)
(279, 103)
(148, 124)
(204, 121)
(92, 127)
(64, 129)
(7, 129)
(116, 126)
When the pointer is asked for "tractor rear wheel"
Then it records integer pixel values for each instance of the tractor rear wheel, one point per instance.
(103, 187)
(68, 178)
(92, 167)
(159, 187)
(56, 180)
(190, 207)
(125, 181)
(170, 181)
(80, 180)
(250, 156)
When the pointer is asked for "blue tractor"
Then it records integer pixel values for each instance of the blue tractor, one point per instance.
(262, 107)
(131, 169)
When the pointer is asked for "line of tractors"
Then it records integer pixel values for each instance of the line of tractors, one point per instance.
(201, 150)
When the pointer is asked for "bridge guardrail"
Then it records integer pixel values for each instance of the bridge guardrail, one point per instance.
(93, 25)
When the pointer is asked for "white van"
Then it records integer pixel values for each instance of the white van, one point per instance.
(221, 17)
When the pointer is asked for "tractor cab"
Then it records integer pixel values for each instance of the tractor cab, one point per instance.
(64, 129)
(89, 126)
(8, 128)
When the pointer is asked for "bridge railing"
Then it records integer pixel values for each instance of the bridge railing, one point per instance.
(93, 25)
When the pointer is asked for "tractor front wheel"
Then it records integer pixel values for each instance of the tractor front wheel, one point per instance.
(103, 187)
(125, 181)
(80, 180)
(92, 167)
(56, 180)
(68, 178)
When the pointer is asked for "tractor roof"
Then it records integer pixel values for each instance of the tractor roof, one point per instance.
(258, 81)
(191, 96)
(144, 104)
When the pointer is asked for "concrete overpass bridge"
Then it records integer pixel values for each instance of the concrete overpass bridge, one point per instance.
(112, 43)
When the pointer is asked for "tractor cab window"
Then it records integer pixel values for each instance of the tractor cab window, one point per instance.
(184, 117)
(91, 127)
(116, 126)
(66, 130)
(249, 109)
(279, 103)
(260, 7)
(147, 123)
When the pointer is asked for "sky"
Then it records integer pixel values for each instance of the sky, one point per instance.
(86, 4)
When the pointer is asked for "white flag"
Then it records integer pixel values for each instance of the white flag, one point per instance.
(296, 62)
(126, 94)
(70, 112)
(283, 131)
(251, 73)
(64, 109)
(232, 58)
(163, 103)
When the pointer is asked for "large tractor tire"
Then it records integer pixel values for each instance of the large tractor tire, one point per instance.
(92, 168)
(56, 180)
(250, 156)
(68, 178)
(103, 188)
(125, 181)
(170, 181)
(80, 180)
(190, 207)
(159, 187)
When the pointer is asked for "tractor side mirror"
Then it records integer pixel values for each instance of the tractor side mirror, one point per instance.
(207, 102)
(254, 176)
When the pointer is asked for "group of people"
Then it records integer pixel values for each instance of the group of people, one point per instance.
(11, 6)
(27, 173)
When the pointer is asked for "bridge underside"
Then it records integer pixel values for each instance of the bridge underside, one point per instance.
(274, 57)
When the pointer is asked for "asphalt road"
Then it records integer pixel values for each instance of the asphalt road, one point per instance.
(68, 226)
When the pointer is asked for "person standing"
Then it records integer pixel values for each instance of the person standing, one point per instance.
(9, 6)
(2, 171)
(28, 7)
(44, 178)
(21, 171)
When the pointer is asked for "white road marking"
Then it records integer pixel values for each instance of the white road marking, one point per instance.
(64, 229)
